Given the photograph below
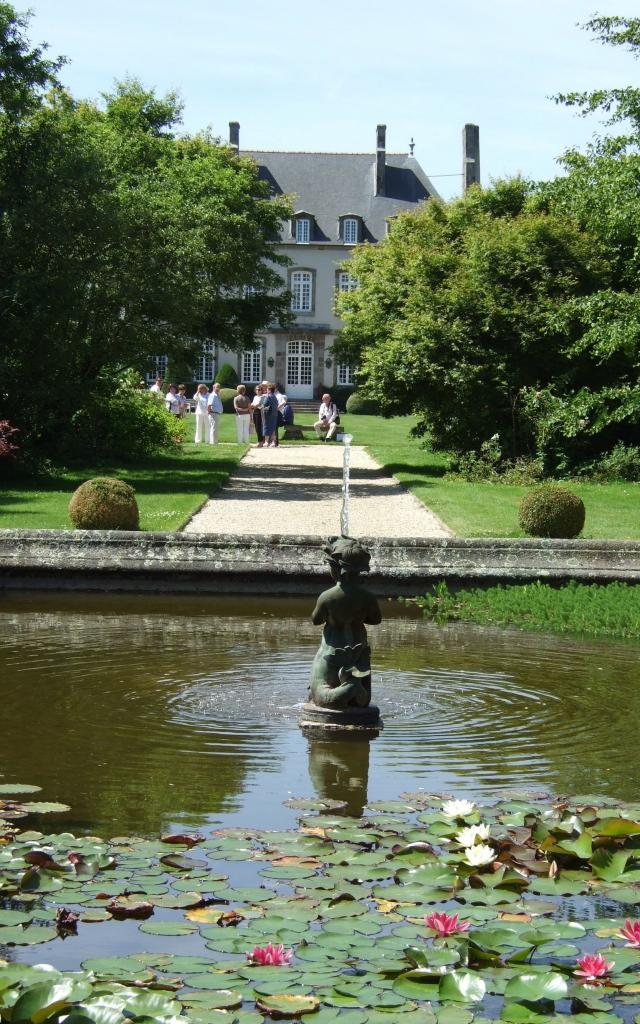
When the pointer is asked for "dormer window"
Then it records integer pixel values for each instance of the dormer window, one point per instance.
(302, 227)
(350, 230)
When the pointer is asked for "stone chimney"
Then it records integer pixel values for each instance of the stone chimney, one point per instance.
(381, 159)
(470, 156)
(234, 135)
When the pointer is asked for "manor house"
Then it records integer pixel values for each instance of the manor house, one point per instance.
(340, 200)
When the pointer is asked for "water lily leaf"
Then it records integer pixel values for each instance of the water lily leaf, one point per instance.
(18, 787)
(536, 986)
(177, 901)
(618, 828)
(48, 998)
(430, 956)
(462, 987)
(114, 966)
(287, 1006)
(609, 865)
(454, 1015)
(13, 917)
(313, 804)
(167, 928)
(36, 880)
(40, 807)
(288, 872)
(418, 984)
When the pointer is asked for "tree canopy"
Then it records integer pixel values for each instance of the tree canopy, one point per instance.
(119, 239)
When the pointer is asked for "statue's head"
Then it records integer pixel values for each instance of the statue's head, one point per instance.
(346, 557)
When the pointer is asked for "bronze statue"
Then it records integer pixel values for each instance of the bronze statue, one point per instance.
(341, 670)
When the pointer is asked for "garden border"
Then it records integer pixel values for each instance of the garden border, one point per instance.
(276, 564)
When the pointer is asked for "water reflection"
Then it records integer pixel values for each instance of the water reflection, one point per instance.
(142, 712)
(340, 770)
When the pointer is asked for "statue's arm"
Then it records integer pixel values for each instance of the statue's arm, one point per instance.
(318, 615)
(374, 615)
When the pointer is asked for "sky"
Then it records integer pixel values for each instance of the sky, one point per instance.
(321, 76)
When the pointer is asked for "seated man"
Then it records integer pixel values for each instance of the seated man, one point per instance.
(286, 412)
(328, 419)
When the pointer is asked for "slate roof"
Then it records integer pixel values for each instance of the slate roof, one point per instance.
(331, 185)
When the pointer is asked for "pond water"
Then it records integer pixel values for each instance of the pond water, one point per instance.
(146, 713)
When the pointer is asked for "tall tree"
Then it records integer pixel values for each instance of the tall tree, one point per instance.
(121, 239)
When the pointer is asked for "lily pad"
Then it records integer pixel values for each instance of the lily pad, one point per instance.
(286, 1006)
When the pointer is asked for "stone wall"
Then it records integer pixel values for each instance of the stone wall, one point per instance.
(112, 560)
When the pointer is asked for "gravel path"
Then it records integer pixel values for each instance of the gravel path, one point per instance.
(298, 490)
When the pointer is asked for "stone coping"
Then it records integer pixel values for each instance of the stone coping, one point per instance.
(280, 564)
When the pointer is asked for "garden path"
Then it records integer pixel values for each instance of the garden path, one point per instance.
(298, 490)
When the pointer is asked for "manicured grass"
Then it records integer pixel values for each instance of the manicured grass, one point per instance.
(612, 610)
(485, 509)
(169, 488)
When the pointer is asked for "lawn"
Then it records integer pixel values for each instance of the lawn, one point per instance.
(171, 487)
(484, 509)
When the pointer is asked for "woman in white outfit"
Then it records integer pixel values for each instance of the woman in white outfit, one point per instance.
(242, 405)
(201, 399)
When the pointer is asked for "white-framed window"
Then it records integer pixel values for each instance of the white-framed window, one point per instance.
(303, 229)
(248, 290)
(350, 230)
(159, 365)
(301, 291)
(251, 366)
(347, 283)
(206, 365)
(345, 374)
(299, 363)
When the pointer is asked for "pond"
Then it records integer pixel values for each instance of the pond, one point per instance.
(154, 715)
(146, 713)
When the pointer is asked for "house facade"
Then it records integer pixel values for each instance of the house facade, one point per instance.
(340, 200)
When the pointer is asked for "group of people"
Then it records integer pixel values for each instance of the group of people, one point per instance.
(268, 410)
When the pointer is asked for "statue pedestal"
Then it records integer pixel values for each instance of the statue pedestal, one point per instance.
(315, 718)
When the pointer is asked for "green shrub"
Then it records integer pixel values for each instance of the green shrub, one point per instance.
(227, 377)
(123, 422)
(359, 404)
(621, 463)
(227, 396)
(104, 504)
(551, 511)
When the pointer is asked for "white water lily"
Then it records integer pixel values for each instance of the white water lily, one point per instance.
(470, 835)
(479, 855)
(457, 808)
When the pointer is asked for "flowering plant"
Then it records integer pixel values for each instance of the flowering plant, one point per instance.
(593, 968)
(468, 836)
(457, 808)
(270, 956)
(631, 932)
(479, 855)
(446, 924)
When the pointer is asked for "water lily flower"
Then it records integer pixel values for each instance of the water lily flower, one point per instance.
(457, 808)
(446, 924)
(479, 855)
(593, 967)
(469, 835)
(270, 956)
(631, 931)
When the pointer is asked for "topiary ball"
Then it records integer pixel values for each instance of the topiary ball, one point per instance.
(227, 377)
(227, 396)
(551, 511)
(104, 504)
(359, 404)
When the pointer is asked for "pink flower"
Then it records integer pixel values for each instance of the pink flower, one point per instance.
(631, 931)
(446, 924)
(270, 956)
(593, 967)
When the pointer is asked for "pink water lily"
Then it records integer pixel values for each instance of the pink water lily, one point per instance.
(446, 924)
(631, 932)
(593, 967)
(270, 956)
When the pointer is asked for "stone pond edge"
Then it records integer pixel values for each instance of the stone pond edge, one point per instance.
(281, 564)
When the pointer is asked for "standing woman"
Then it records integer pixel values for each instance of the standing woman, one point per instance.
(269, 404)
(201, 399)
(242, 405)
(257, 414)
